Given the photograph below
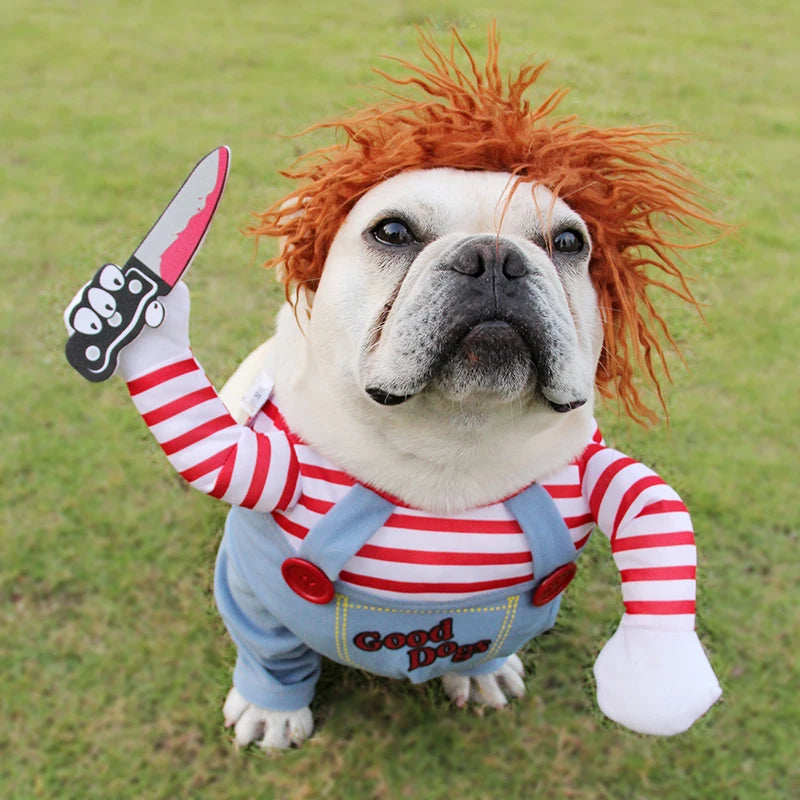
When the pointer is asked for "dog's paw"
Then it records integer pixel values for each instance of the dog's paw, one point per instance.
(268, 729)
(490, 689)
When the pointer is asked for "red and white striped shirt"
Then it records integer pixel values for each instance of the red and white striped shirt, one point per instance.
(417, 555)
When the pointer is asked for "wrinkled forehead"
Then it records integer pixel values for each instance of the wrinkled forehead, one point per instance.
(448, 200)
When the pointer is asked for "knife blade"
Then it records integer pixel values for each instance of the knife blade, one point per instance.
(113, 308)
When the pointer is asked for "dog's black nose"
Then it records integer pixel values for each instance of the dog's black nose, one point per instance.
(476, 258)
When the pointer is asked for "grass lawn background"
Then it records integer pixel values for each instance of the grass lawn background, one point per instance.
(114, 662)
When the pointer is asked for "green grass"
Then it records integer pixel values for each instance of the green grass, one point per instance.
(114, 661)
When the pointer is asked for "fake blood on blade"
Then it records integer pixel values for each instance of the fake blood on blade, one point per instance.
(175, 258)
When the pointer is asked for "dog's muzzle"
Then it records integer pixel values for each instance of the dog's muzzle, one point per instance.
(495, 329)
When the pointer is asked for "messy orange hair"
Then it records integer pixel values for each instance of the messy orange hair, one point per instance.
(615, 178)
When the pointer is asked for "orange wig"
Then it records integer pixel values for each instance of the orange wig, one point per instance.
(625, 190)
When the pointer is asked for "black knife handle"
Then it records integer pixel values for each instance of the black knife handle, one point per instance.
(110, 314)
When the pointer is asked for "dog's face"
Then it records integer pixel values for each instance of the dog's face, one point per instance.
(448, 303)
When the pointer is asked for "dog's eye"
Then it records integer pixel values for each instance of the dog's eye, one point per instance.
(394, 232)
(568, 242)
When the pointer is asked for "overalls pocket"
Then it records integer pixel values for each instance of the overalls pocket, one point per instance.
(423, 641)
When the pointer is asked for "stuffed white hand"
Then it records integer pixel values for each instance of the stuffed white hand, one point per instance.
(161, 343)
(94, 311)
(654, 681)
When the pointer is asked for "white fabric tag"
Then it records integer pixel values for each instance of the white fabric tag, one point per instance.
(258, 394)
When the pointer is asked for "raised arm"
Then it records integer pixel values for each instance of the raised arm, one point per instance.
(198, 435)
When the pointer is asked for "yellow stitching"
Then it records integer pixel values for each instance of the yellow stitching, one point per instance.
(499, 639)
(344, 633)
(339, 599)
(514, 606)
(505, 627)
(430, 611)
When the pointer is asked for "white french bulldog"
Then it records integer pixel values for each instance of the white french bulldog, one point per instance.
(448, 359)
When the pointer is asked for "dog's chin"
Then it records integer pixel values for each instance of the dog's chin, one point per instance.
(491, 363)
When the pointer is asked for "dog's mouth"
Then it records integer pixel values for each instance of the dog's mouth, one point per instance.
(492, 358)
(384, 398)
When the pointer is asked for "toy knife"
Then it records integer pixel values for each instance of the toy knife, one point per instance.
(113, 308)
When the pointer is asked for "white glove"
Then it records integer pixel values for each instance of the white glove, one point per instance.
(165, 336)
(157, 345)
(654, 681)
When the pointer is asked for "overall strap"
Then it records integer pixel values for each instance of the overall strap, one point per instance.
(342, 531)
(547, 534)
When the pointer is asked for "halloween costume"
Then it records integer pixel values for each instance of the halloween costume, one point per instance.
(453, 617)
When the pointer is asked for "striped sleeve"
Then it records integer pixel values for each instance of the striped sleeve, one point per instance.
(651, 535)
(206, 446)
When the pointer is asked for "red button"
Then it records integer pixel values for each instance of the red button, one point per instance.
(555, 583)
(307, 580)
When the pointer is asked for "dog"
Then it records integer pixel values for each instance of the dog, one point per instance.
(413, 460)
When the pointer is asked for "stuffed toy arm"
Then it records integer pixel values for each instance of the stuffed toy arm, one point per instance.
(652, 675)
(194, 428)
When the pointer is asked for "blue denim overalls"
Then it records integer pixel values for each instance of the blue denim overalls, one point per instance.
(280, 634)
